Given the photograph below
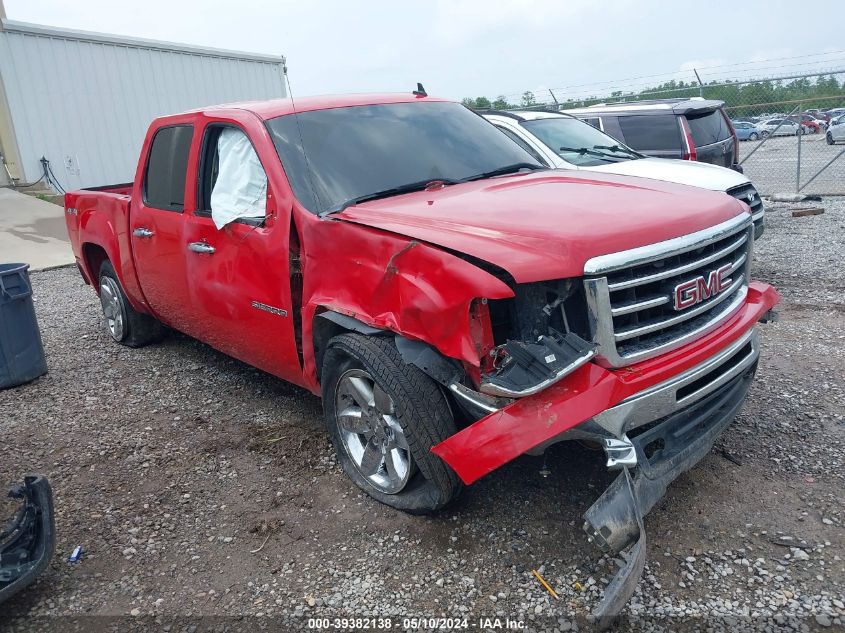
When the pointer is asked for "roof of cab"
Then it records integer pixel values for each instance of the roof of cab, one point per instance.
(676, 106)
(278, 107)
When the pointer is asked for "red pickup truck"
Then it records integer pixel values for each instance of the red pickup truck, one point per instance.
(455, 303)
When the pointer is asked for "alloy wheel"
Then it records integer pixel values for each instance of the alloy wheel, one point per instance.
(371, 433)
(112, 307)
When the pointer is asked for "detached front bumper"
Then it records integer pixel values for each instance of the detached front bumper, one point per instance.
(27, 542)
(662, 451)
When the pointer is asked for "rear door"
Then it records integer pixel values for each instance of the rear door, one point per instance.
(712, 137)
(656, 135)
(156, 222)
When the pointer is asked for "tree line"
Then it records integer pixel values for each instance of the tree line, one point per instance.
(819, 93)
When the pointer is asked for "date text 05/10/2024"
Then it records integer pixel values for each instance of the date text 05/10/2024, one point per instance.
(416, 623)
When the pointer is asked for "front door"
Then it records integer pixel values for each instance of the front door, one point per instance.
(236, 250)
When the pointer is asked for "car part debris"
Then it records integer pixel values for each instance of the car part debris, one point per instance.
(662, 451)
(795, 197)
(800, 213)
(629, 542)
(27, 541)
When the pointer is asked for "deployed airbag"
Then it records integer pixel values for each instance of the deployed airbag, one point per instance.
(241, 187)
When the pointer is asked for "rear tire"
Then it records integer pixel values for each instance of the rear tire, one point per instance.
(753, 136)
(765, 134)
(124, 324)
(383, 417)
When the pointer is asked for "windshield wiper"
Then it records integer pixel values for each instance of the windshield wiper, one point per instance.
(619, 148)
(411, 187)
(502, 171)
(584, 150)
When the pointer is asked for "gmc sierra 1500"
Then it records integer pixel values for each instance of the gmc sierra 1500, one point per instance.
(455, 303)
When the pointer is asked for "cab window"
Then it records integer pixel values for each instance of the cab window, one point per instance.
(232, 183)
(167, 166)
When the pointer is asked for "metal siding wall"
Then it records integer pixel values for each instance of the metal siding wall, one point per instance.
(93, 101)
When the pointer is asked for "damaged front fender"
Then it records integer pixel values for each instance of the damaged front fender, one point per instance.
(391, 283)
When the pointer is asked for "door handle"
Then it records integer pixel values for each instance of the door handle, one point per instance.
(201, 247)
(142, 231)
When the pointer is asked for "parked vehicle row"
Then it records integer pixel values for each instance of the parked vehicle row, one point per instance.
(454, 301)
(688, 129)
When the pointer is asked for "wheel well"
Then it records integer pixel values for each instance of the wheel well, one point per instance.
(329, 324)
(94, 256)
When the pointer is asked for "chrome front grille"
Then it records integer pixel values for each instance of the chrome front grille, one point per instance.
(631, 296)
(748, 194)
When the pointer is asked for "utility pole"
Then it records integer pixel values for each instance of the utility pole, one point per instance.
(700, 85)
(554, 98)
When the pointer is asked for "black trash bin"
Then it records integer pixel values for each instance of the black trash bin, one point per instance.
(21, 352)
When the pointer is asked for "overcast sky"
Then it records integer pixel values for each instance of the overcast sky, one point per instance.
(460, 48)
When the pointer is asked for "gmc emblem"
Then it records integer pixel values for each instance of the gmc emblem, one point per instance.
(694, 291)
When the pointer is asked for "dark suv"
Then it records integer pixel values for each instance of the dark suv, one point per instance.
(690, 129)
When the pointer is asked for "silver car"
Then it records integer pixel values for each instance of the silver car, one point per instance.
(779, 127)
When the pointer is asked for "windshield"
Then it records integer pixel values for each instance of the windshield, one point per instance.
(577, 142)
(359, 152)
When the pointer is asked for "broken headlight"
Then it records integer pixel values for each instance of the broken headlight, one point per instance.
(537, 337)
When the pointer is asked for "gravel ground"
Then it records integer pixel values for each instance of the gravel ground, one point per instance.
(198, 486)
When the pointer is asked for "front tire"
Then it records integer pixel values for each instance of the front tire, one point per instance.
(829, 138)
(383, 417)
(765, 134)
(753, 136)
(124, 324)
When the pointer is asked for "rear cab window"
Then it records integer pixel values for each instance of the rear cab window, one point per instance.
(651, 133)
(167, 168)
(708, 128)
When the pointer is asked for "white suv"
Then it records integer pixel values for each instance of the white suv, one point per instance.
(565, 142)
(835, 130)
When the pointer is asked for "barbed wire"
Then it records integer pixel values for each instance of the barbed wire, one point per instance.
(619, 94)
(634, 83)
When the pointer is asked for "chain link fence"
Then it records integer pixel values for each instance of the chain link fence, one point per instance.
(792, 146)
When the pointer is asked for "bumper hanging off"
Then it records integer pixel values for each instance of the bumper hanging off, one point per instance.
(664, 450)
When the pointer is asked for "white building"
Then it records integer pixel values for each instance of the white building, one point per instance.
(84, 100)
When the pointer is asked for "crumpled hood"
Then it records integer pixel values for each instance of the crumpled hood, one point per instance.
(546, 225)
(684, 172)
